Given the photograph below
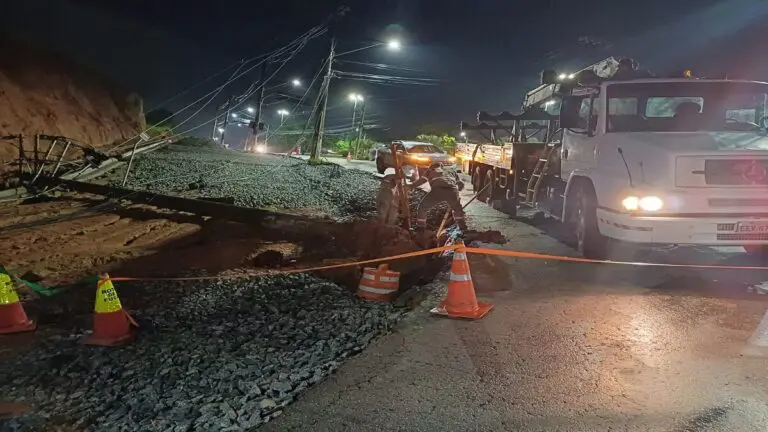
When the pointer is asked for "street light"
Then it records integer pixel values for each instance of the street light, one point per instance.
(464, 135)
(250, 110)
(296, 82)
(394, 45)
(234, 115)
(282, 113)
(221, 130)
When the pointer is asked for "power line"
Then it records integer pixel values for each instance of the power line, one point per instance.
(297, 43)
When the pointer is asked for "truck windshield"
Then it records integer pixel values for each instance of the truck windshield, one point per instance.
(687, 106)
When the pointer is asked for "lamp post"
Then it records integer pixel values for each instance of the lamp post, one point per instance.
(282, 113)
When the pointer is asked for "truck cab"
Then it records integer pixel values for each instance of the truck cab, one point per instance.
(666, 161)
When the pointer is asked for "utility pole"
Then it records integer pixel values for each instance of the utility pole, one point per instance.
(317, 137)
(215, 128)
(354, 117)
(260, 103)
(226, 120)
(360, 131)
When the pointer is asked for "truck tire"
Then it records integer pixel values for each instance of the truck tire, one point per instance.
(509, 204)
(589, 241)
(380, 167)
(477, 180)
(490, 189)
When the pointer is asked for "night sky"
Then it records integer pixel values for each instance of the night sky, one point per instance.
(484, 53)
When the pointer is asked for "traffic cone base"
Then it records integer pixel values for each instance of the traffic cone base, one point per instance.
(13, 318)
(114, 330)
(481, 311)
(461, 301)
(19, 322)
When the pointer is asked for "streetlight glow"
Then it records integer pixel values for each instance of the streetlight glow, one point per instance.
(234, 115)
(463, 134)
(296, 82)
(221, 130)
(282, 112)
(394, 45)
(354, 97)
(250, 109)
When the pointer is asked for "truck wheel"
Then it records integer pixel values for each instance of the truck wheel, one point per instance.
(509, 204)
(477, 181)
(490, 189)
(589, 242)
(380, 167)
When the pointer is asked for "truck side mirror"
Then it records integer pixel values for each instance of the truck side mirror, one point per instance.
(569, 112)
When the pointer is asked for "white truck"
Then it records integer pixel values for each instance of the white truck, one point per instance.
(618, 155)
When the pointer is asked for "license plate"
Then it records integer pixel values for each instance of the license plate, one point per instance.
(752, 227)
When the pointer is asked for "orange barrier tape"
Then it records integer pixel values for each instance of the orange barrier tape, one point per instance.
(531, 255)
(301, 270)
(482, 251)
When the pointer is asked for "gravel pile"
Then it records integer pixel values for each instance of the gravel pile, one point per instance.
(262, 181)
(230, 356)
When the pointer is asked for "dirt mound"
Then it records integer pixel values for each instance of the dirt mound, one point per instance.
(41, 92)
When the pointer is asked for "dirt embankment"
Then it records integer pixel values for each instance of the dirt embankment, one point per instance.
(43, 93)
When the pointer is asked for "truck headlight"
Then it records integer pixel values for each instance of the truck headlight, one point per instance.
(651, 203)
(646, 203)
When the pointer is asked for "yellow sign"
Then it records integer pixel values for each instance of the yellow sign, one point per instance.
(7, 293)
(106, 297)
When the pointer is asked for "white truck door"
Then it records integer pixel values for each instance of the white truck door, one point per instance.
(578, 151)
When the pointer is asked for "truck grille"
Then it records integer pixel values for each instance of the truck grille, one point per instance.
(736, 172)
(743, 237)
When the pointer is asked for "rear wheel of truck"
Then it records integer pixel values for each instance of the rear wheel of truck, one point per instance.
(490, 189)
(477, 180)
(589, 241)
(509, 204)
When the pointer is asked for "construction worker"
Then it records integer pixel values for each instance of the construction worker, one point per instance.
(387, 202)
(444, 187)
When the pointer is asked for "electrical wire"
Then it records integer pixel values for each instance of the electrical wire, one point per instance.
(297, 43)
(198, 84)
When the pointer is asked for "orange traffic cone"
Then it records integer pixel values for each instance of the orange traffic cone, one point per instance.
(461, 301)
(13, 318)
(112, 326)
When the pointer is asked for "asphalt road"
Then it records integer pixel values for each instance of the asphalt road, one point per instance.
(568, 347)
